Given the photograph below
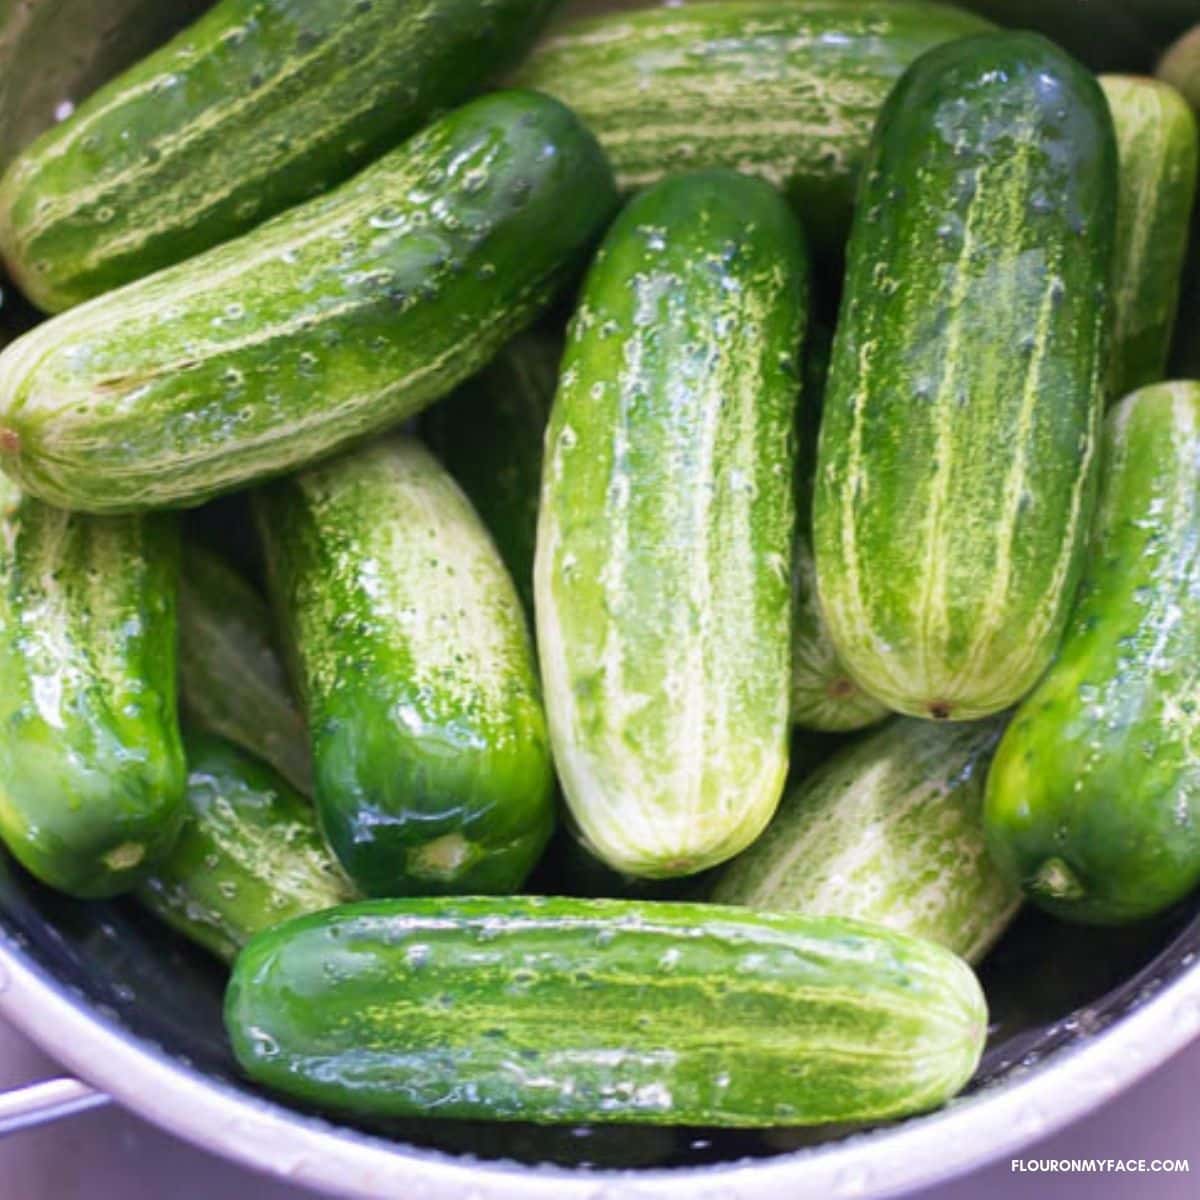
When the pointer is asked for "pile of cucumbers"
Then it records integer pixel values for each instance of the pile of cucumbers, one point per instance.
(737, 435)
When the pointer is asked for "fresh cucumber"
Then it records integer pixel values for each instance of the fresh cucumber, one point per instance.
(91, 768)
(249, 855)
(785, 91)
(430, 755)
(258, 106)
(1157, 152)
(557, 1010)
(890, 830)
(338, 318)
(1093, 799)
(664, 536)
(232, 680)
(956, 465)
(1180, 67)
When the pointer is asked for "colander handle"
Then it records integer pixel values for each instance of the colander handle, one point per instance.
(41, 1103)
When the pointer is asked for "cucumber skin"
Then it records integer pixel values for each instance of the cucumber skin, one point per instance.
(1157, 152)
(430, 754)
(91, 767)
(406, 1007)
(662, 577)
(249, 855)
(1093, 800)
(232, 680)
(889, 831)
(649, 82)
(949, 536)
(159, 394)
(258, 106)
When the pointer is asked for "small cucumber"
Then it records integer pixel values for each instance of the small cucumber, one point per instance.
(956, 465)
(662, 576)
(231, 678)
(1093, 799)
(258, 106)
(249, 855)
(562, 1011)
(890, 830)
(338, 318)
(430, 753)
(91, 767)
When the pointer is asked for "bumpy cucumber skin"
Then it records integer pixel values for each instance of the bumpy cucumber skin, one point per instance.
(785, 92)
(430, 752)
(662, 576)
(249, 855)
(260, 105)
(561, 1011)
(890, 830)
(1093, 800)
(91, 767)
(489, 435)
(336, 319)
(956, 466)
(232, 680)
(1157, 151)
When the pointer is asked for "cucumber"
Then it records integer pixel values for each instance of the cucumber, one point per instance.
(1093, 800)
(1157, 152)
(890, 830)
(258, 106)
(231, 679)
(664, 536)
(430, 754)
(561, 1011)
(489, 435)
(338, 318)
(1180, 67)
(785, 91)
(956, 465)
(249, 855)
(91, 768)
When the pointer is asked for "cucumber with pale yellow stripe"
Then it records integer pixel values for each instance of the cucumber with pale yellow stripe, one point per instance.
(338, 318)
(956, 469)
(259, 105)
(1157, 152)
(662, 574)
(431, 760)
(1093, 801)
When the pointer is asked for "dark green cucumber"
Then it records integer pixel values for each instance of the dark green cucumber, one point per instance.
(249, 855)
(956, 466)
(338, 318)
(430, 754)
(1157, 152)
(260, 105)
(890, 830)
(232, 680)
(489, 435)
(91, 768)
(1093, 799)
(785, 91)
(561, 1011)
(663, 564)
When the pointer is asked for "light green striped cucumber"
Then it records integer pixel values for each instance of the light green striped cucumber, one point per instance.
(91, 768)
(663, 566)
(232, 680)
(1180, 67)
(1157, 151)
(957, 463)
(890, 830)
(249, 855)
(340, 317)
(559, 1011)
(787, 91)
(430, 753)
(260, 105)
